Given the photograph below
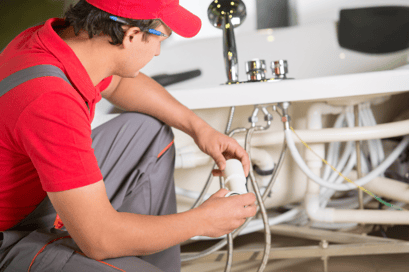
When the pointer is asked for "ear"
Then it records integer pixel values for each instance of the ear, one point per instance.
(131, 35)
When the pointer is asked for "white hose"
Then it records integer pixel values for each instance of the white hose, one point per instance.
(189, 193)
(344, 187)
(257, 224)
(333, 148)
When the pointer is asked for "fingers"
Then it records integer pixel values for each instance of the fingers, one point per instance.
(221, 193)
(220, 161)
(250, 211)
(217, 172)
(248, 199)
(235, 151)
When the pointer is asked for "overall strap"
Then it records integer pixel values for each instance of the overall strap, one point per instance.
(27, 74)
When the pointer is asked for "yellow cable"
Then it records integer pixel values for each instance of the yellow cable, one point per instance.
(347, 179)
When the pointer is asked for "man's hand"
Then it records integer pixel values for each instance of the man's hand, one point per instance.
(221, 148)
(221, 215)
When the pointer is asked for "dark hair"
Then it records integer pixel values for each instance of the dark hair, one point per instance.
(84, 16)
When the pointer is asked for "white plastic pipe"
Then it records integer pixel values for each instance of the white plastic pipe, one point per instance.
(344, 187)
(328, 135)
(331, 215)
(389, 188)
(191, 160)
(264, 161)
(234, 177)
(257, 224)
(190, 156)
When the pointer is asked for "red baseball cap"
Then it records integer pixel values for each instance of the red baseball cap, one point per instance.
(180, 20)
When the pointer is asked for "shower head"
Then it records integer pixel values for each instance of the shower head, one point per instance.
(219, 9)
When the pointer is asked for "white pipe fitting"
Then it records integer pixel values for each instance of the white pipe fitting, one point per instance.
(234, 177)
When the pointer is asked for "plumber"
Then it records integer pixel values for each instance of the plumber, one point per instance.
(72, 199)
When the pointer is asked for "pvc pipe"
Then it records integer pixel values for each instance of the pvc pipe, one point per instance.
(264, 161)
(234, 177)
(344, 187)
(331, 215)
(191, 160)
(389, 188)
(328, 135)
(257, 224)
(189, 193)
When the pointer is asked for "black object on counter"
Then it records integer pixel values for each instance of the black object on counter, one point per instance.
(374, 30)
(168, 79)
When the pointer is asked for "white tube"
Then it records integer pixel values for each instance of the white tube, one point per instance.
(189, 193)
(262, 159)
(328, 135)
(349, 150)
(331, 215)
(234, 177)
(191, 160)
(257, 224)
(333, 148)
(344, 187)
(381, 153)
(265, 162)
(373, 152)
(389, 188)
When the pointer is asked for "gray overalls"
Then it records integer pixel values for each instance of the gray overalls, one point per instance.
(136, 157)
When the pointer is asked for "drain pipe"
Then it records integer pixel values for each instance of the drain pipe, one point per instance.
(331, 215)
(314, 122)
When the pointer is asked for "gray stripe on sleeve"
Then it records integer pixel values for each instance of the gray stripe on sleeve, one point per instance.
(27, 74)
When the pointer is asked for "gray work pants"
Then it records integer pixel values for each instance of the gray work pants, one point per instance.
(136, 157)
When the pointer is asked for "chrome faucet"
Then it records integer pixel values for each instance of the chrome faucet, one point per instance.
(226, 15)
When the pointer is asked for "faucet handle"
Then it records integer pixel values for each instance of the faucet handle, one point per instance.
(280, 68)
(256, 70)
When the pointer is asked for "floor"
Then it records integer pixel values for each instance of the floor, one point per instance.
(365, 263)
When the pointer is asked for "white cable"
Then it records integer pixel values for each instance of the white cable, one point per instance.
(189, 193)
(333, 146)
(381, 153)
(344, 187)
(373, 148)
(257, 224)
(348, 151)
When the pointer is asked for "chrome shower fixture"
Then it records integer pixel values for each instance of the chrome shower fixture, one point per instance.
(226, 15)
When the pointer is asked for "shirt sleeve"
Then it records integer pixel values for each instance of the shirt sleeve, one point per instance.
(54, 131)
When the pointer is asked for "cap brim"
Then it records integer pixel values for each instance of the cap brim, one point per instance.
(182, 21)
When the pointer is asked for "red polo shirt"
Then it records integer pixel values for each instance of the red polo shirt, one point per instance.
(45, 132)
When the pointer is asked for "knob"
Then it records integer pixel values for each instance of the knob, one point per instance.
(280, 68)
(256, 70)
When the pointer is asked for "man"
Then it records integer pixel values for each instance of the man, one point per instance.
(118, 201)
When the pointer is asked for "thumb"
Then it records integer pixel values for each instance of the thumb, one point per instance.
(221, 193)
(220, 161)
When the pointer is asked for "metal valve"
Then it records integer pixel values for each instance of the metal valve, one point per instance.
(280, 68)
(256, 70)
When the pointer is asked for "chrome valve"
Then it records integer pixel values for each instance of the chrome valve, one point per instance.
(256, 70)
(280, 68)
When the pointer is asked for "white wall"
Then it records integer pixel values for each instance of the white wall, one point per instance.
(199, 8)
(316, 11)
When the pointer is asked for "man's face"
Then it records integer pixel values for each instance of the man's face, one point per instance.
(141, 52)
